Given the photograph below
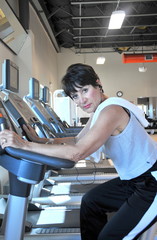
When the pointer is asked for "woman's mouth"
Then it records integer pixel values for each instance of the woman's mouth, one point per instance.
(87, 106)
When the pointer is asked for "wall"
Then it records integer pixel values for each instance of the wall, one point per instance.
(114, 74)
(37, 57)
(4, 54)
(44, 59)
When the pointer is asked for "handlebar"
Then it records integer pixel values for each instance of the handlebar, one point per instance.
(32, 156)
(39, 158)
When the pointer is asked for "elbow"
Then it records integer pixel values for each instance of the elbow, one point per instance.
(77, 157)
(74, 157)
(75, 154)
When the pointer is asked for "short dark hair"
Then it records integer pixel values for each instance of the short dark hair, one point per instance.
(78, 75)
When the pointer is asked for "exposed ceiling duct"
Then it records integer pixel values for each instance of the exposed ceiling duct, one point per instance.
(83, 25)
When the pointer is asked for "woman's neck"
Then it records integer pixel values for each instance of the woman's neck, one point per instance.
(103, 98)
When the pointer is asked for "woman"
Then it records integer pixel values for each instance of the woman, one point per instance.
(116, 130)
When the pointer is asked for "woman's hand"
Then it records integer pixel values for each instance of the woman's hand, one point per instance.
(10, 138)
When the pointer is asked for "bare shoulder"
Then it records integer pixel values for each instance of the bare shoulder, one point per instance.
(113, 110)
(115, 116)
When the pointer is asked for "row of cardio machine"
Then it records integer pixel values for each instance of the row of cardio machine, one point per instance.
(44, 192)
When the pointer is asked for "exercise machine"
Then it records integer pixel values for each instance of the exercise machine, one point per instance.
(32, 100)
(63, 126)
(25, 169)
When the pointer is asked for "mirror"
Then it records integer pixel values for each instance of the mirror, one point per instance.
(149, 106)
(11, 31)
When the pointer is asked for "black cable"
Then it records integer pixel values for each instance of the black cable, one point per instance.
(94, 174)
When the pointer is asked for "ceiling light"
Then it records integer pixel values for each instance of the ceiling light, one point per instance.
(116, 19)
(100, 60)
(142, 69)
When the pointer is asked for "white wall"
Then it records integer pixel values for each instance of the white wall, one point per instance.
(44, 59)
(115, 75)
(37, 58)
(5, 53)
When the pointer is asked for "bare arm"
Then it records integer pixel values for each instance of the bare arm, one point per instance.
(84, 130)
(110, 119)
(70, 140)
(34, 137)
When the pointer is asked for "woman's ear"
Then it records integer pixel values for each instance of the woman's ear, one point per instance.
(98, 81)
(99, 85)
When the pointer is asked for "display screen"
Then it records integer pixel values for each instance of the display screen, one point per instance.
(13, 77)
(10, 76)
(45, 94)
(34, 88)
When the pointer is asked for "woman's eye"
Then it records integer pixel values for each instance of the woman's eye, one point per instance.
(74, 97)
(85, 90)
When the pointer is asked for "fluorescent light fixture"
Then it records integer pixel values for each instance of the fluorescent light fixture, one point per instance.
(142, 69)
(100, 60)
(116, 19)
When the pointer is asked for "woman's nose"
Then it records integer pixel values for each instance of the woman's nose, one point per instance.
(82, 100)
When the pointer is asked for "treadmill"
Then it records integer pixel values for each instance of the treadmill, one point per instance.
(63, 126)
(32, 100)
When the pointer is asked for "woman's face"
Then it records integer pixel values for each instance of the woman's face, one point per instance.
(87, 98)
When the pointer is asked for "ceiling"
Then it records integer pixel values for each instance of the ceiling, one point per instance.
(83, 25)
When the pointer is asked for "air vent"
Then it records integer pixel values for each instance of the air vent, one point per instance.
(139, 58)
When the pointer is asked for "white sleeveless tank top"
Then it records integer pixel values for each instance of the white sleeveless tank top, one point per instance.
(133, 151)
